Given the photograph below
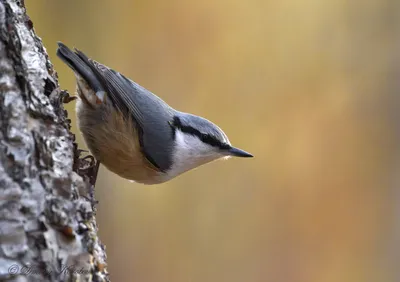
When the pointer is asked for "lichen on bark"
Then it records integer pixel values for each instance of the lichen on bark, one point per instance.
(48, 230)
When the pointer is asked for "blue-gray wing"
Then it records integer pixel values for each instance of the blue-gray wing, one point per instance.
(151, 114)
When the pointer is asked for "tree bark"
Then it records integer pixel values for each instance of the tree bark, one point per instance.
(48, 229)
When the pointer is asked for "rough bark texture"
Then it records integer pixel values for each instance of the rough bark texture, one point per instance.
(48, 230)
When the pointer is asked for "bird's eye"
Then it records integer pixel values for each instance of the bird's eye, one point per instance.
(210, 139)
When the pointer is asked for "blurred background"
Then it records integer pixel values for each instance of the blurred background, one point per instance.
(311, 88)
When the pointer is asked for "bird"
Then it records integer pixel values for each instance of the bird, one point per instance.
(133, 132)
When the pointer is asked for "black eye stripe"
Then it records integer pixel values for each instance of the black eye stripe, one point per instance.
(206, 138)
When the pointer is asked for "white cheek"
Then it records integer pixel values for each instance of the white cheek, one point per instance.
(190, 148)
(190, 153)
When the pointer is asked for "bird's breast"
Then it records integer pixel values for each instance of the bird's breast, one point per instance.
(114, 141)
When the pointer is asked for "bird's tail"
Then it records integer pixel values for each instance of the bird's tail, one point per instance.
(80, 64)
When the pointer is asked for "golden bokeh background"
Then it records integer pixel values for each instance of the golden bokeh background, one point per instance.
(311, 88)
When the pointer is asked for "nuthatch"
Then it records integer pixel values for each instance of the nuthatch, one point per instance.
(133, 132)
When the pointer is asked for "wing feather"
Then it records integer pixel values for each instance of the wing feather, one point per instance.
(151, 114)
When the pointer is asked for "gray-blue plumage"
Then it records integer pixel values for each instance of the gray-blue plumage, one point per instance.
(150, 112)
(202, 128)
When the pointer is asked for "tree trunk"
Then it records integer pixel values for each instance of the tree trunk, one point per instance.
(48, 230)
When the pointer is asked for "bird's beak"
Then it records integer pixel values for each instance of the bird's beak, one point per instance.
(236, 152)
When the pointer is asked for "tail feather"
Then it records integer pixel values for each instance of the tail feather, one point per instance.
(79, 63)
